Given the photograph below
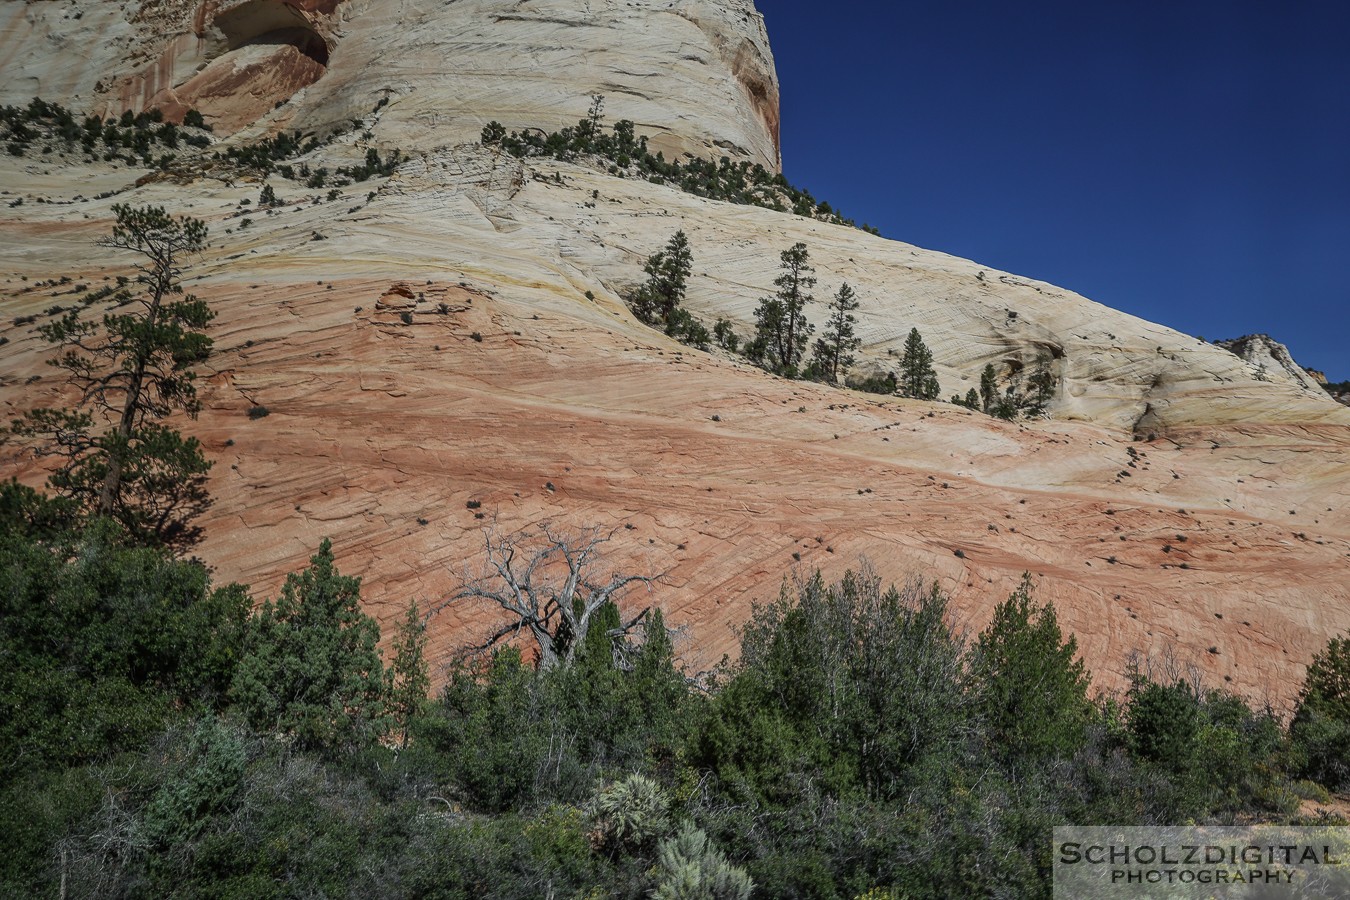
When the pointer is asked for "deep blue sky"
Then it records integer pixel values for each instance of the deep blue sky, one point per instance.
(1187, 161)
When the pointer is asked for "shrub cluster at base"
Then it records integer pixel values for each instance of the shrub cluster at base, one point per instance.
(162, 740)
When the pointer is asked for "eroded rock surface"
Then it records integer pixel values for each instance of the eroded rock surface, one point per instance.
(696, 75)
(435, 344)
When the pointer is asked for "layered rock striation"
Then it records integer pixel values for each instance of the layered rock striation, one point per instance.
(696, 75)
(456, 332)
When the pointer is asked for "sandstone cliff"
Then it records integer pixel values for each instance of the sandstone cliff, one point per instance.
(696, 75)
(1179, 497)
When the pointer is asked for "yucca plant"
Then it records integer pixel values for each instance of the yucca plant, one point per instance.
(629, 816)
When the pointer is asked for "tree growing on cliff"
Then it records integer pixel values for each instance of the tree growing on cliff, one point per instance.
(131, 371)
(1041, 385)
(781, 329)
(917, 377)
(988, 388)
(834, 349)
(658, 301)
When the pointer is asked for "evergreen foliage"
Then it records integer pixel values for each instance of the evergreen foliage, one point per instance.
(628, 156)
(658, 301)
(1041, 385)
(1011, 401)
(988, 388)
(1321, 726)
(881, 383)
(834, 349)
(859, 747)
(310, 669)
(917, 377)
(725, 335)
(781, 329)
(45, 126)
(132, 370)
(409, 683)
(101, 640)
(970, 401)
(1032, 690)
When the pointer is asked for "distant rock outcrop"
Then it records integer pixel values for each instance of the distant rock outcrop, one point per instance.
(1270, 361)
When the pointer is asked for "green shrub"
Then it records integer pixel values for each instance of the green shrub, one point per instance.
(690, 868)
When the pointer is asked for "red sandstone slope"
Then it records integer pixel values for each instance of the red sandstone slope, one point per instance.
(375, 425)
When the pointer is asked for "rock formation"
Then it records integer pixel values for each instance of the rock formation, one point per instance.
(455, 332)
(695, 75)
(1270, 360)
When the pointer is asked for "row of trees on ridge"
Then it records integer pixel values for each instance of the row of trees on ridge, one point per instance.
(783, 334)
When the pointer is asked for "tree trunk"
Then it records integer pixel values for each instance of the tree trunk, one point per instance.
(112, 482)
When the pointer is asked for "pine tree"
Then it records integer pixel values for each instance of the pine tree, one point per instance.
(1321, 726)
(1041, 384)
(590, 126)
(658, 301)
(132, 370)
(1010, 404)
(988, 388)
(834, 349)
(780, 321)
(917, 378)
(310, 667)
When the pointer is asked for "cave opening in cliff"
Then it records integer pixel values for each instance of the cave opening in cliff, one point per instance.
(305, 40)
(268, 22)
(270, 51)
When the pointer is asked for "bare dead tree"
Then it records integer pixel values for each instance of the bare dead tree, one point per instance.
(548, 582)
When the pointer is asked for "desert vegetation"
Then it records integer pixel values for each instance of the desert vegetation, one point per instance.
(163, 735)
(129, 372)
(624, 153)
(161, 738)
(782, 335)
(42, 128)
(1017, 396)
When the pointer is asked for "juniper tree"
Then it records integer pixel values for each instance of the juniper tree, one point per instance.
(834, 349)
(131, 371)
(917, 378)
(310, 668)
(780, 322)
